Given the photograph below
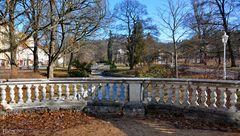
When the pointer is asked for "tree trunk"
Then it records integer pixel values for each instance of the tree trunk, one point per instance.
(13, 72)
(35, 52)
(219, 59)
(50, 71)
(131, 59)
(231, 54)
(12, 38)
(175, 60)
(52, 44)
(70, 62)
(221, 6)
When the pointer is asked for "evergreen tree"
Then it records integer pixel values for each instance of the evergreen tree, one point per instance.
(109, 49)
(151, 49)
(137, 44)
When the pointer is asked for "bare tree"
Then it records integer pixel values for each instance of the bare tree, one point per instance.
(76, 19)
(33, 12)
(127, 13)
(201, 22)
(224, 10)
(172, 20)
(11, 16)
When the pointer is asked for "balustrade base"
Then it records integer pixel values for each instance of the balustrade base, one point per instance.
(104, 107)
(196, 113)
(134, 109)
(49, 105)
(129, 109)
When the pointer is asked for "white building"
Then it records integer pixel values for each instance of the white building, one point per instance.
(24, 52)
(25, 55)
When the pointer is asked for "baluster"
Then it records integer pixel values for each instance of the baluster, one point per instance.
(29, 93)
(203, 97)
(59, 91)
(103, 88)
(119, 92)
(99, 92)
(4, 96)
(114, 95)
(44, 95)
(154, 92)
(81, 91)
(36, 91)
(122, 92)
(126, 92)
(177, 95)
(233, 100)
(74, 91)
(51, 91)
(67, 91)
(85, 95)
(186, 96)
(107, 92)
(12, 95)
(213, 98)
(111, 88)
(195, 96)
(145, 93)
(161, 94)
(90, 92)
(20, 94)
(94, 89)
(170, 94)
(223, 98)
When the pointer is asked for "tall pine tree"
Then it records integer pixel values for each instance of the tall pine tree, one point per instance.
(137, 45)
(109, 49)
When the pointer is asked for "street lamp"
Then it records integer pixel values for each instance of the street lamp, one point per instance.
(224, 40)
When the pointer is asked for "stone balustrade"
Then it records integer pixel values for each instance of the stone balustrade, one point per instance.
(69, 92)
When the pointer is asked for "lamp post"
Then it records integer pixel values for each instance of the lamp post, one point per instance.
(224, 40)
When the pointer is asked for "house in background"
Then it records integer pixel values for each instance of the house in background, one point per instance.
(25, 55)
(24, 52)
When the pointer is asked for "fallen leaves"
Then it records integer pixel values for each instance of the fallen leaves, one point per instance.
(52, 121)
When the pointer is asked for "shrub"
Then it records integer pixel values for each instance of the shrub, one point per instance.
(161, 71)
(112, 65)
(139, 72)
(81, 69)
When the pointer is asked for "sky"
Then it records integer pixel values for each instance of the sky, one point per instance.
(152, 6)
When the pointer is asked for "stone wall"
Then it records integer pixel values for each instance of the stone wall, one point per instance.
(192, 113)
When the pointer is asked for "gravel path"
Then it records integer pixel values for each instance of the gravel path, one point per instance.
(156, 127)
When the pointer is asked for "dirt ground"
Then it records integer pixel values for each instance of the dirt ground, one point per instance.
(65, 123)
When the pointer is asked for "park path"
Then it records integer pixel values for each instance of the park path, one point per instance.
(126, 126)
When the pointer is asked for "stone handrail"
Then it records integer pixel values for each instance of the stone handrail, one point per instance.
(65, 92)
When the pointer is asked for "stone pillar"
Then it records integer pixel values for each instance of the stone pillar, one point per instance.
(135, 93)
(135, 106)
